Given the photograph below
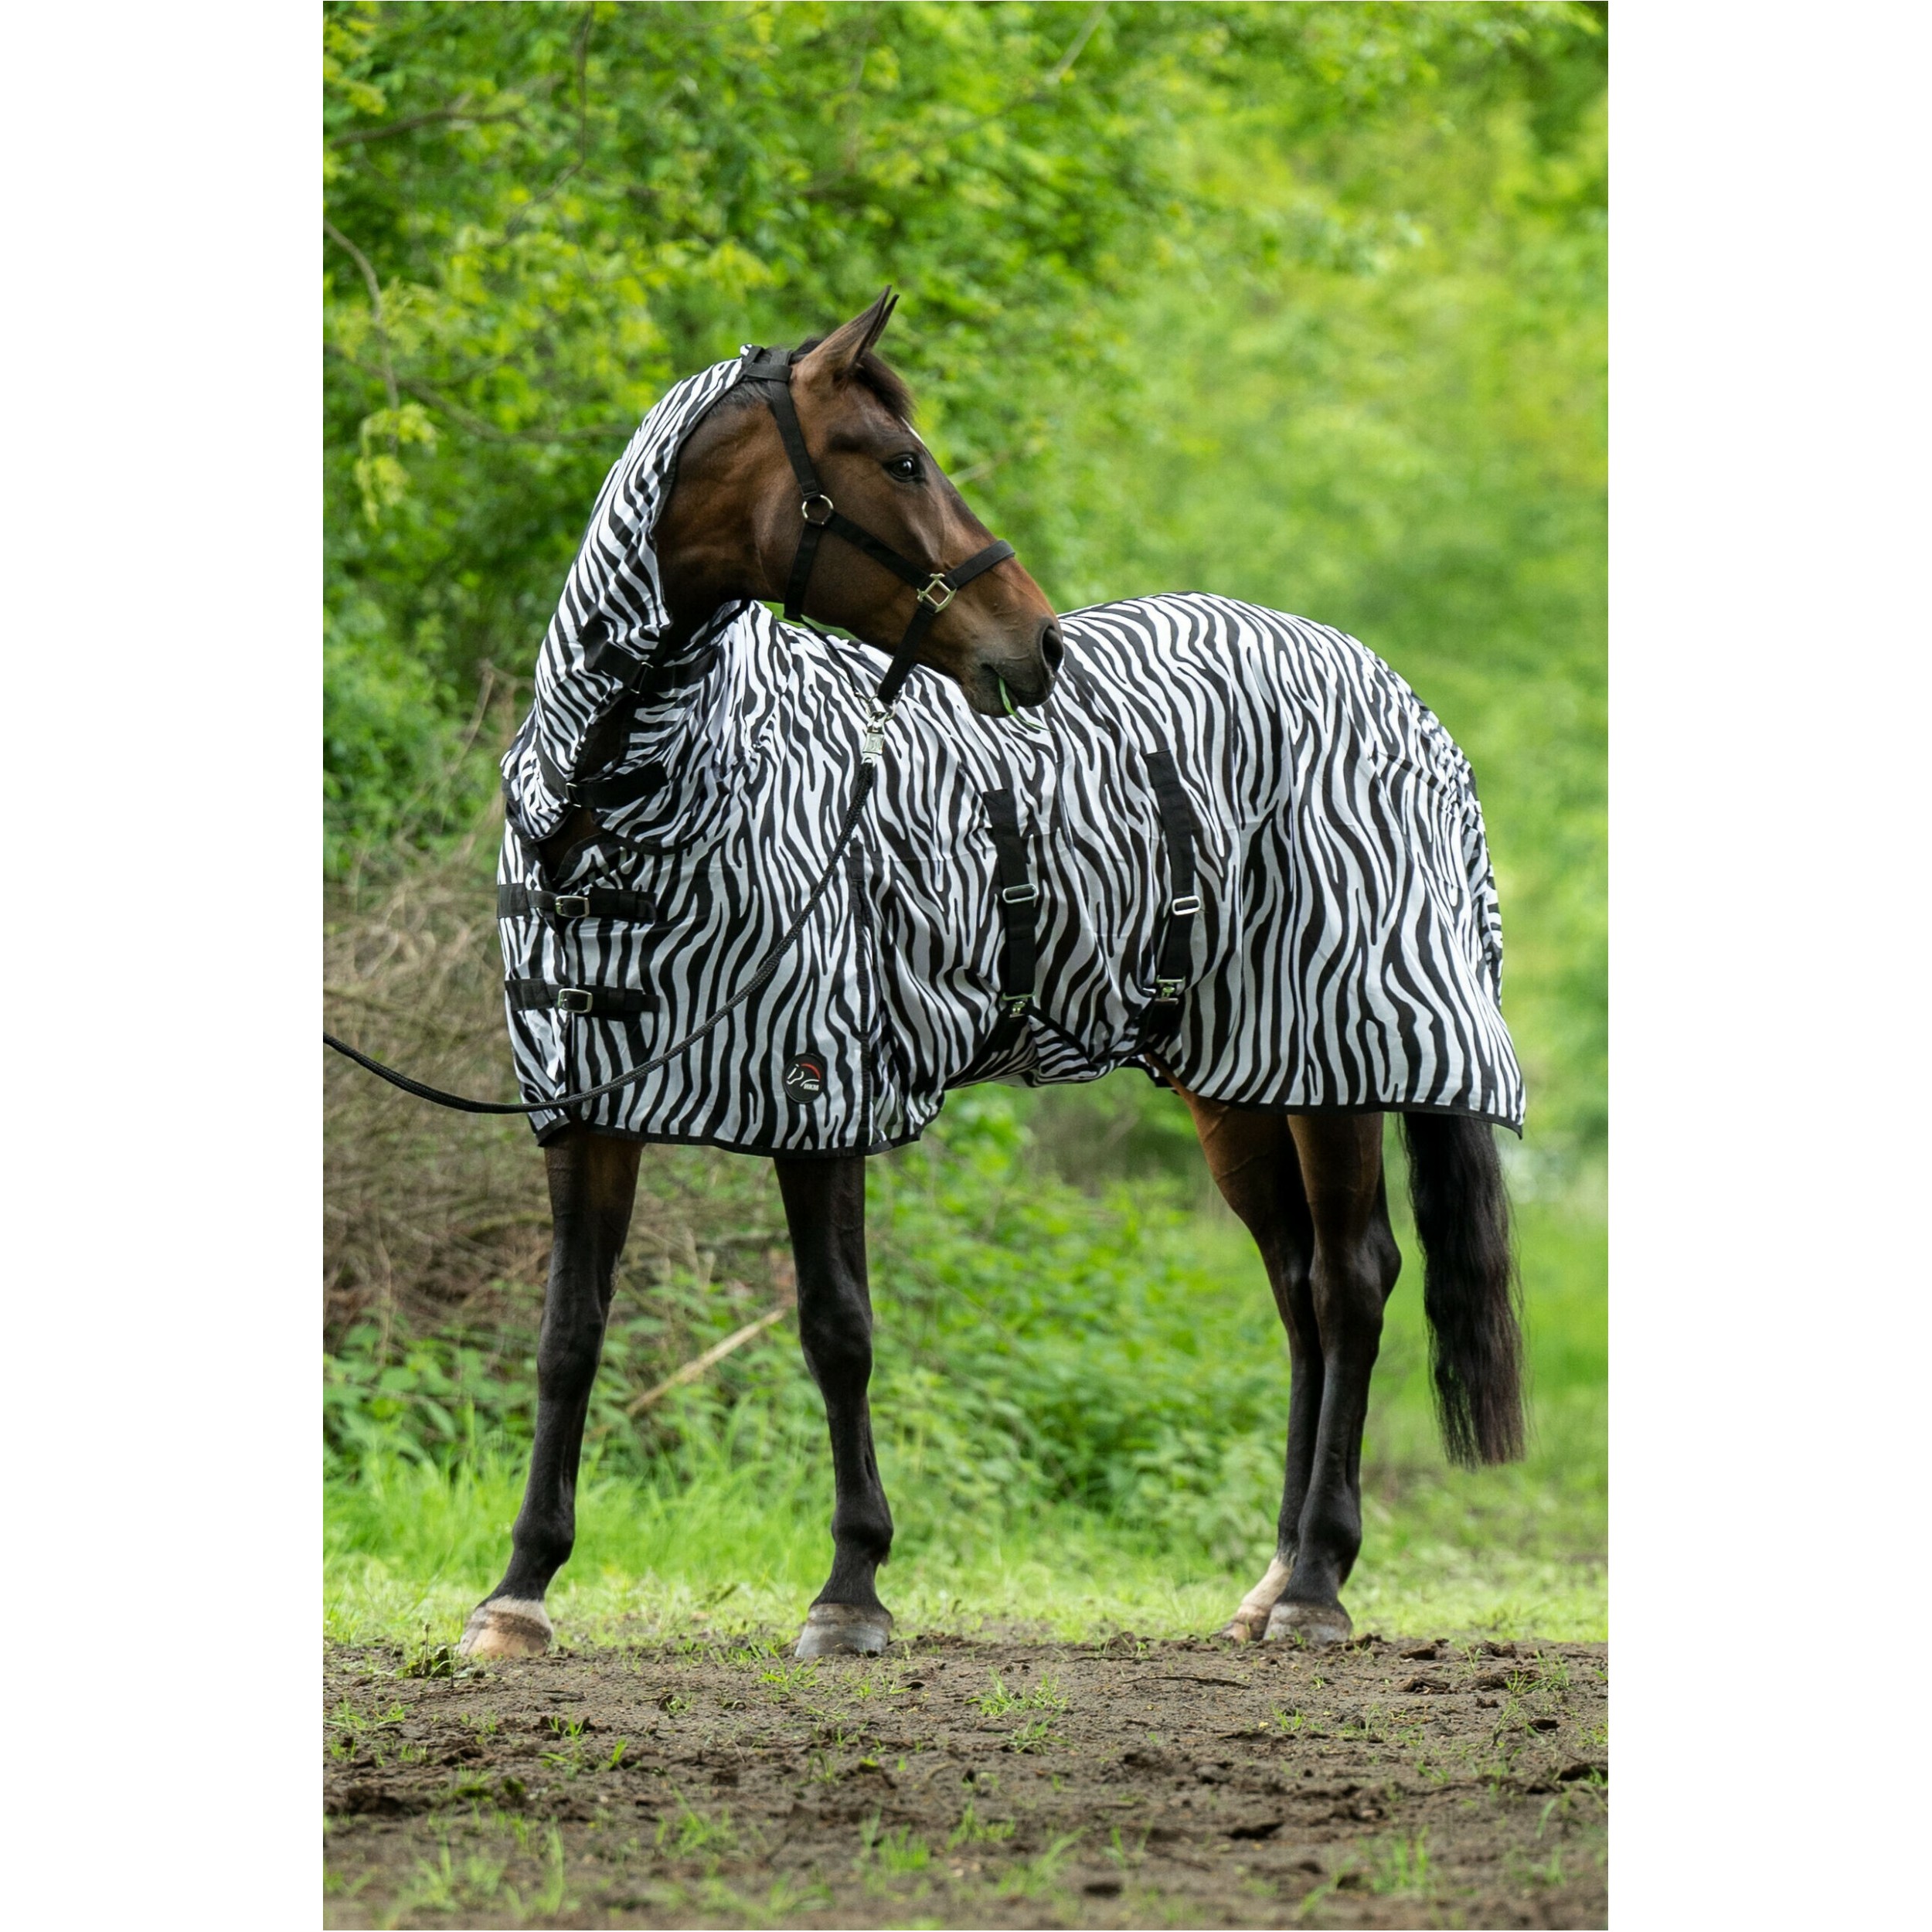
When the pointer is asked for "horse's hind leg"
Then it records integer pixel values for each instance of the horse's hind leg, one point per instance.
(1251, 1156)
(1353, 1268)
(593, 1179)
(825, 1209)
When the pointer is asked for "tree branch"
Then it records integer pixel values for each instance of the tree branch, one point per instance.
(691, 1370)
(1061, 68)
(376, 306)
(455, 111)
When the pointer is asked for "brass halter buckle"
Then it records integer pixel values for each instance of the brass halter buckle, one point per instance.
(806, 508)
(945, 593)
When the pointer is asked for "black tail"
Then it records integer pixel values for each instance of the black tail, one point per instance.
(1469, 1285)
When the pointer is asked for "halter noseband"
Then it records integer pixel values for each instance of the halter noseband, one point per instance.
(770, 370)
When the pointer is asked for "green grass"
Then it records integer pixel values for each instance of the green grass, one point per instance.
(723, 1540)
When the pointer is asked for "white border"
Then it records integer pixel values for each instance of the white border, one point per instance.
(1768, 704)
(162, 509)
(1768, 349)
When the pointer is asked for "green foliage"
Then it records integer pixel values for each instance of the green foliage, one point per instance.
(1300, 304)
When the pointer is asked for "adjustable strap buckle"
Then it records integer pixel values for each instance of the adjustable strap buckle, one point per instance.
(805, 509)
(945, 593)
(1015, 1004)
(1186, 907)
(575, 999)
(571, 906)
(1168, 992)
(1019, 895)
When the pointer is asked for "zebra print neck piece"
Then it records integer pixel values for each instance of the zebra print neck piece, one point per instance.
(1347, 954)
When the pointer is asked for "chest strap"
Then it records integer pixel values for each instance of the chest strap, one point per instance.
(599, 1002)
(1019, 947)
(595, 902)
(1173, 959)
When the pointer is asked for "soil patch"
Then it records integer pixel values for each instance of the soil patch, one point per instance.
(971, 1782)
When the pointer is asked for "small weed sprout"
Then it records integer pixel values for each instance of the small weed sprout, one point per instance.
(551, 1901)
(1041, 1871)
(783, 1679)
(1402, 1866)
(971, 1829)
(690, 1833)
(1035, 1736)
(896, 1851)
(997, 1701)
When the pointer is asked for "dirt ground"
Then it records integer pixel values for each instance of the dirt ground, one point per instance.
(990, 1781)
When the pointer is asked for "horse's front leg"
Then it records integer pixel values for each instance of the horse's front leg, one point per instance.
(825, 1209)
(594, 1180)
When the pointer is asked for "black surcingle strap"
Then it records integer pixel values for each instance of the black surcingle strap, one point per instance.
(1174, 958)
(594, 1002)
(593, 902)
(1020, 954)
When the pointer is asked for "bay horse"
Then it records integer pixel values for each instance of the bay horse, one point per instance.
(1309, 1183)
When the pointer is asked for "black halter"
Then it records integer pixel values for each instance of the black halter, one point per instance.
(770, 370)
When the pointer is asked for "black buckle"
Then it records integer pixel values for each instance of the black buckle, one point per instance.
(575, 999)
(1184, 907)
(571, 906)
(804, 509)
(1019, 895)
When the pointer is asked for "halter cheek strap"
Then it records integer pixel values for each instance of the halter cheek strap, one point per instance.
(771, 370)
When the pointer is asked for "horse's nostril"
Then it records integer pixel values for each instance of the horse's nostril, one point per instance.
(1053, 646)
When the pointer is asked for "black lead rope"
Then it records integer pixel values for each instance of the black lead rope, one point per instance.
(771, 370)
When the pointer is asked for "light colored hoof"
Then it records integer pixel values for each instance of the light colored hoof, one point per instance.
(1316, 1624)
(1245, 1627)
(838, 1630)
(507, 1627)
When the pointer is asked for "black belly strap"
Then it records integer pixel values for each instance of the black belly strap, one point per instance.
(1173, 959)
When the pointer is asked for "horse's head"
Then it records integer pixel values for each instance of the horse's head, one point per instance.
(731, 527)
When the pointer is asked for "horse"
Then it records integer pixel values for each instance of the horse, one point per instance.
(801, 480)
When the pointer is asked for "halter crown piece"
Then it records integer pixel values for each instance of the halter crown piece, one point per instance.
(770, 369)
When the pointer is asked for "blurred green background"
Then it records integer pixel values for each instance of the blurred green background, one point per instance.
(1301, 303)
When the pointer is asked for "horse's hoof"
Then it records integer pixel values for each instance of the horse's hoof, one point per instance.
(507, 1627)
(842, 1630)
(1245, 1627)
(1316, 1624)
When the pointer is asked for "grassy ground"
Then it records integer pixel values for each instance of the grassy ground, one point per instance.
(727, 1542)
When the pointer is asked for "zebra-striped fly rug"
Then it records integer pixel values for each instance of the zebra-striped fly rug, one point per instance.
(1346, 952)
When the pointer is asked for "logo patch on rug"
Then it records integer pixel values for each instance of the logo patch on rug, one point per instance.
(805, 1076)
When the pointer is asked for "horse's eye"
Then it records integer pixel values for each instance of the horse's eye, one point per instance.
(905, 468)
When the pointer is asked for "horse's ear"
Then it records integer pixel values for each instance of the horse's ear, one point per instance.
(838, 355)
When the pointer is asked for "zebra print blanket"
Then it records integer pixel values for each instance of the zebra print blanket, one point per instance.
(1347, 954)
